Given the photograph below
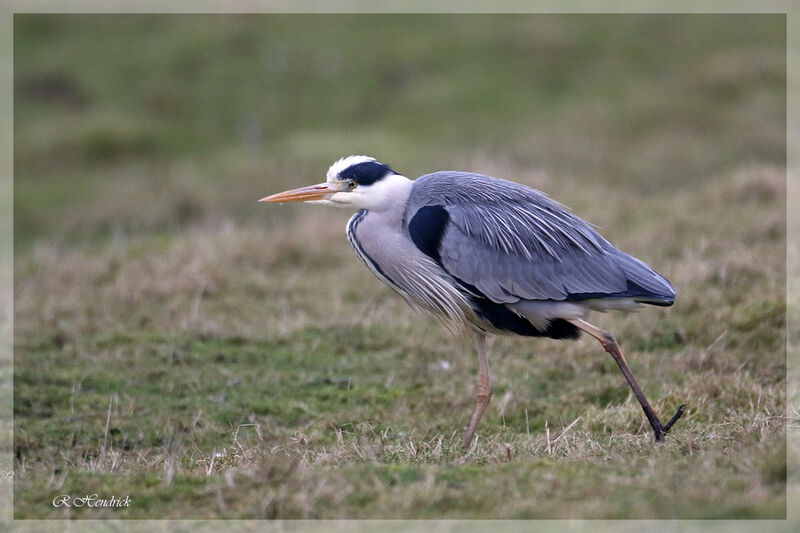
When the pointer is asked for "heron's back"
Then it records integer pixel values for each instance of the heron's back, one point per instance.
(508, 245)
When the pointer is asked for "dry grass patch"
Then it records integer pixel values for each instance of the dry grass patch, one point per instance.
(247, 372)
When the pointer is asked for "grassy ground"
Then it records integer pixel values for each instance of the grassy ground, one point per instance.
(211, 357)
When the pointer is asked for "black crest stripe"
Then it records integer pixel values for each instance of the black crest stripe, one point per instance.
(366, 173)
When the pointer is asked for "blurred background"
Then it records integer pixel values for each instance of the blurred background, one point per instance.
(215, 357)
(131, 124)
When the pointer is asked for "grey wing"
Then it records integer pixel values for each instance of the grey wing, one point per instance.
(507, 242)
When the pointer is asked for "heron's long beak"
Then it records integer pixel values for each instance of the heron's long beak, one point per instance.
(303, 194)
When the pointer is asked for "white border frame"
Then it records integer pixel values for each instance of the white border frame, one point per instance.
(10, 7)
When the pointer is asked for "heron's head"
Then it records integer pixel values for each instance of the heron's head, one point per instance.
(358, 181)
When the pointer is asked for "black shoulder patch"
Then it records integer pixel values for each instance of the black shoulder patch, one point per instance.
(366, 173)
(427, 229)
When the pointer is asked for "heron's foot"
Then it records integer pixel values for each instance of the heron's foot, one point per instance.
(661, 430)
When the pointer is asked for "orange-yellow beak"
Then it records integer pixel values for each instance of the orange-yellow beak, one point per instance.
(303, 194)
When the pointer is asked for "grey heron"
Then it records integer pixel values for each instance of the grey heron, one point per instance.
(488, 255)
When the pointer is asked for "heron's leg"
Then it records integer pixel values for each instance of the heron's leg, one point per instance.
(612, 346)
(484, 388)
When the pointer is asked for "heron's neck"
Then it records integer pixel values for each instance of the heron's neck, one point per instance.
(388, 197)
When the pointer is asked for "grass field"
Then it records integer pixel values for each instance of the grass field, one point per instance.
(212, 357)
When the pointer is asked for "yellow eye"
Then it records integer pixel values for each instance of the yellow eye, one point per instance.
(351, 185)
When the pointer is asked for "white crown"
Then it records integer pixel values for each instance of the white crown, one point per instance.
(346, 162)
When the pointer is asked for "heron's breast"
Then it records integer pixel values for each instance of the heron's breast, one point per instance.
(394, 259)
(361, 239)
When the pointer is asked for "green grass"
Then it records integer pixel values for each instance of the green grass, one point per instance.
(212, 357)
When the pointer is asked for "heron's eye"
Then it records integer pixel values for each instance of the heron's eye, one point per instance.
(351, 185)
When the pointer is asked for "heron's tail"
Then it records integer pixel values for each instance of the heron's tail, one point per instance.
(645, 285)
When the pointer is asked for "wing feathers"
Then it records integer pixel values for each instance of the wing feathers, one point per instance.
(511, 242)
